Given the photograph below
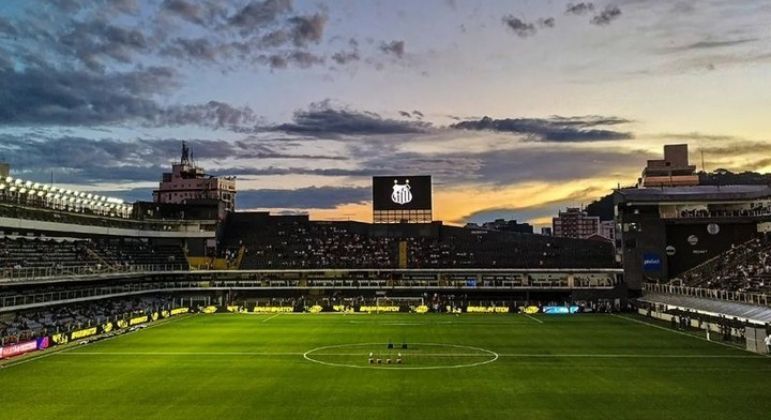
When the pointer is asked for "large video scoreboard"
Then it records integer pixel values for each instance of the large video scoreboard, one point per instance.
(402, 199)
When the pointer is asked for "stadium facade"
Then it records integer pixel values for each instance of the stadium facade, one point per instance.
(66, 249)
(667, 231)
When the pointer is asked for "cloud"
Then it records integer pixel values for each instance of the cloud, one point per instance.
(129, 195)
(546, 22)
(304, 59)
(212, 114)
(106, 36)
(555, 129)
(345, 57)
(92, 42)
(711, 44)
(521, 28)
(324, 119)
(201, 13)
(609, 14)
(303, 198)
(257, 14)
(545, 208)
(579, 8)
(83, 160)
(7, 28)
(47, 96)
(72, 98)
(194, 50)
(307, 29)
(395, 48)
(69, 6)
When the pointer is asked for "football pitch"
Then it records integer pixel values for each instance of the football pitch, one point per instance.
(318, 367)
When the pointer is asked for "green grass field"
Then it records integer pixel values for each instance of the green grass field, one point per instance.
(316, 367)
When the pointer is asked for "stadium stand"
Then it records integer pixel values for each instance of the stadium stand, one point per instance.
(744, 268)
(19, 253)
(274, 242)
(63, 319)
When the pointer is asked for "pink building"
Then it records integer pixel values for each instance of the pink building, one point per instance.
(187, 183)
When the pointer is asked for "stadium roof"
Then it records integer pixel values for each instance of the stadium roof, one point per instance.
(739, 310)
(694, 193)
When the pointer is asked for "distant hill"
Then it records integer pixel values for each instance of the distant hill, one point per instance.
(726, 177)
(603, 207)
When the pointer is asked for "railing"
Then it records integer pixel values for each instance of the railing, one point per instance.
(700, 292)
(34, 273)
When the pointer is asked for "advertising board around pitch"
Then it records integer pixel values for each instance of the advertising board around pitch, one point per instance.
(401, 192)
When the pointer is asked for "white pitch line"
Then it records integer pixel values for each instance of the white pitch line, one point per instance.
(634, 356)
(271, 317)
(414, 355)
(533, 318)
(681, 333)
(171, 353)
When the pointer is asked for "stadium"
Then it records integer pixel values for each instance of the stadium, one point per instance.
(330, 209)
(188, 309)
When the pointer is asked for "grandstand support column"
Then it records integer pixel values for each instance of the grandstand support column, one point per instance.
(403, 254)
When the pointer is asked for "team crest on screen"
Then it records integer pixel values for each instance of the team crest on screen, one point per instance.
(402, 193)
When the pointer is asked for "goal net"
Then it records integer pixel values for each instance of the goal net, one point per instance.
(399, 304)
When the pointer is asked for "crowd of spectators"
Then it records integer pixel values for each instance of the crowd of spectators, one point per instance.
(26, 325)
(317, 246)
(744, 268)
(297, 244)
(17, 253)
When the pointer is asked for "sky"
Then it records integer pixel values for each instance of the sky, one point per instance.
(516, 108)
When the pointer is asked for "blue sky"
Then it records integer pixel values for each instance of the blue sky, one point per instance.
(304, 101)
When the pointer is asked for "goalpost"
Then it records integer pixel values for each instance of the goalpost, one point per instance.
(394, 304)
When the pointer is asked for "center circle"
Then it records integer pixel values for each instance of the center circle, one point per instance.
(415, 356)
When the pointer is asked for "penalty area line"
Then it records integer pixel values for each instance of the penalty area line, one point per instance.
(271, 317)
(533, 318)
(636, 321)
